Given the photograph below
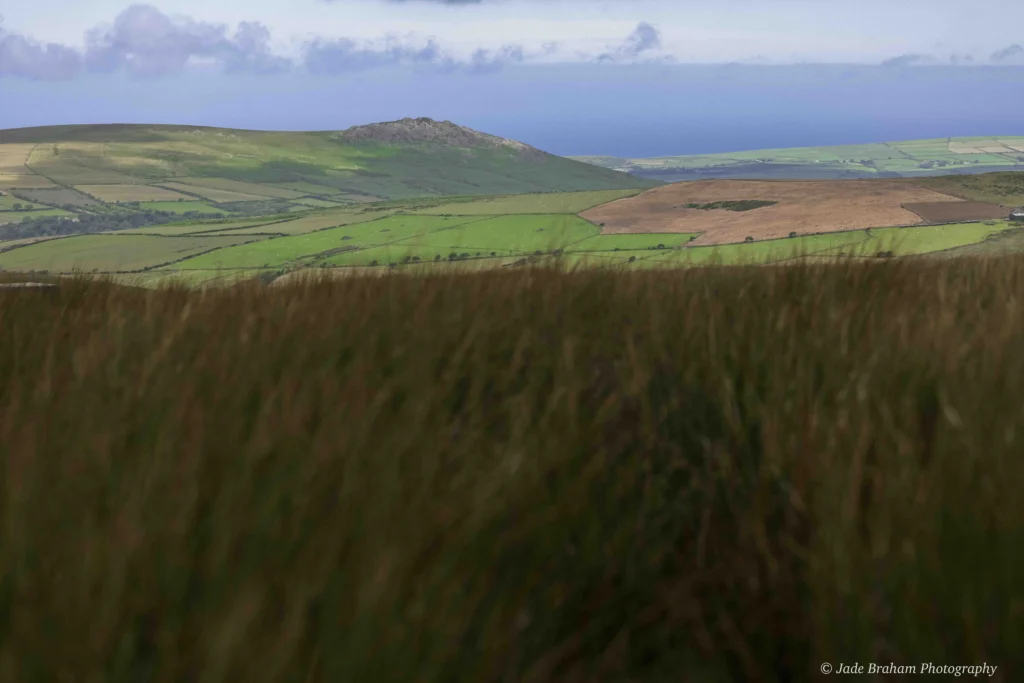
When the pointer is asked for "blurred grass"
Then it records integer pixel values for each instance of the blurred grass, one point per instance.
(700, 475)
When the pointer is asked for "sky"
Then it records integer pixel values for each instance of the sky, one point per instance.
(617, 77)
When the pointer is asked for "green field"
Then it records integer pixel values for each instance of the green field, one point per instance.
(316, 203)
(917, 158)
(183, 207)
(17, 216)
(110, 253)
(7, 203)
(214, 162)
(859, 243)
(524, 234)
(551, 202)
(282, 251)
(59, 197)
(627, 242)
(310, 223)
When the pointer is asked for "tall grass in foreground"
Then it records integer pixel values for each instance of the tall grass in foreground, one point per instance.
(702, 475)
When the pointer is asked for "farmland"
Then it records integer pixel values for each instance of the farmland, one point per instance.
(183, 207)
(110, 253)
(237, 165)
(426, 201)
(15, 216)
(551, 202)
(393, 234)
(28, 181)
(213, 193)
(800, 206)
(58, 197)
(9, 202)
(130, 193)
(915, 158)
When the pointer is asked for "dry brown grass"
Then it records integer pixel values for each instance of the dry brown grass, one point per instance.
(13, 181)
(803, 207)
(13, 158)
(948, 212)
(131, 193)
(531, 476)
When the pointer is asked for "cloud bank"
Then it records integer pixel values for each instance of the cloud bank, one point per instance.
(145, 42)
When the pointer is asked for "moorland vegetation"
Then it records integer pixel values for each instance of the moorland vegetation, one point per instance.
(526, 475)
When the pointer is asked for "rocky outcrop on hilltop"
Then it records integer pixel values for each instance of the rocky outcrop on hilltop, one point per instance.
(428, 131)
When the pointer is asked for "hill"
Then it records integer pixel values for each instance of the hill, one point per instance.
(392, 160)
(917, 158)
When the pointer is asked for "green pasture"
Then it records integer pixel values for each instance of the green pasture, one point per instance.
(183, 207)
(316, 203)
(904, 157)
(525, 234)
(401, 252)
(279, 164)
(111, 252)
(236, 227)
(187, 278)
(240, 187)
(627, 242)
(18, 216)
(858, 243)
(7, 203)
(284, 250)
(307, 224)
(59, 197)
(548, 202)
(309, 188)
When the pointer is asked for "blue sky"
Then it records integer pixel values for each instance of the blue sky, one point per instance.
(625, 77)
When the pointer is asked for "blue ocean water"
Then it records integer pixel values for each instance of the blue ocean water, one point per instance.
(599, 109)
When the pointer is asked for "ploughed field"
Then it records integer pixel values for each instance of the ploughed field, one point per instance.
(803, 207)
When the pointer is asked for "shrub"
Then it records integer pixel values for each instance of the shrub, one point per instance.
(749, 239)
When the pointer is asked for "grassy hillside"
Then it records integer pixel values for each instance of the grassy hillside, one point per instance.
(913, 158)
(527, 476)
(371, 162)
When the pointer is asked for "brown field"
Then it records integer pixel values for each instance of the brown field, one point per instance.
(13, 181)
(130, 193)
(242, 188)
(948, 212)
(59, 197)
(215, 194)
(804, 206)
(13, 158)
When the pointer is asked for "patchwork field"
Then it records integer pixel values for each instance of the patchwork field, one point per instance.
(915, 158)
(857, 243)
(110, 253)
(16, 216)
(802, 207)
(949, 212)
(13, 158)
(59, 197)
(426, 203)
(549, 202)
(212, 193)
(130, 193)
(13, 181)
(183, 207)
(11, 203)
(236, 186)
